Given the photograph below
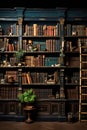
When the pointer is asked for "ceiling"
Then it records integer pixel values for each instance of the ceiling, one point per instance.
(43, 3)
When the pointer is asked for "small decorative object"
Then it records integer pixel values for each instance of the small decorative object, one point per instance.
(30, 46)
(74, 33)
(2, 81)
(57, 95)
(50, 79)
(35, 48)
(61, 58)
(10, 79)
(5, 63)
(62, 95)
(70, 117)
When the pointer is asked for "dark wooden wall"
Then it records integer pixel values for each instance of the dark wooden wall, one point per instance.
(43, 3)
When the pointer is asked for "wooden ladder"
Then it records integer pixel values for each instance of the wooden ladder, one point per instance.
(83, 81)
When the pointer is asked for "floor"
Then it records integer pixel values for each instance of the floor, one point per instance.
(11, 125)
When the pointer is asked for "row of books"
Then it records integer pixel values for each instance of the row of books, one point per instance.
(12, 29)
(39, 77)
(32, 30)
(29, 77)
(45, 30)
(72, 93)
(40, 60)
(8, 108)
(43, 93)
(50, 45)
(47, 45)
(8, 92)
(8, 44)
(11, 93)
(41, 30)
(73, 78)
(75, 30)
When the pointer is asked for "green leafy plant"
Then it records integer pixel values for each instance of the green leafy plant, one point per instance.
(19, 54)
(27, 96)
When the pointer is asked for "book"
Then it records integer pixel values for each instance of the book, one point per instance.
(28, 76)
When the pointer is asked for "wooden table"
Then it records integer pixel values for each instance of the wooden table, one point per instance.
(29, 109)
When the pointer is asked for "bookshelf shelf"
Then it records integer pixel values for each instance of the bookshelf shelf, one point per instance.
(54, 46)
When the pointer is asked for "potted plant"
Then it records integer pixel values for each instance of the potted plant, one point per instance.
(27, 97)
(19, 55)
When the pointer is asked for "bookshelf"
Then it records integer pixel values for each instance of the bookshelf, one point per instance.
(76, 29)
(51, 63)
(42, 42)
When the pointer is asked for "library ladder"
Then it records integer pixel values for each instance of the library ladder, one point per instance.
(83, 80)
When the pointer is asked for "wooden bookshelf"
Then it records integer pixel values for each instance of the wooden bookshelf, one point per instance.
(51, 64)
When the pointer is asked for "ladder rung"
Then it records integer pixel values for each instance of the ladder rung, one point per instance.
(85, 94)
(83, 61)
(84, 69)
(84, 112)
(83, 103)
(84, 54)
(84, 77)
(83, 46)
(83, 120)
(84, 86)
